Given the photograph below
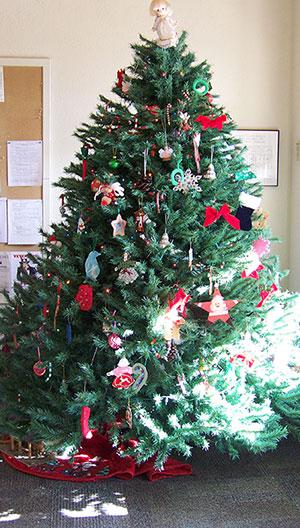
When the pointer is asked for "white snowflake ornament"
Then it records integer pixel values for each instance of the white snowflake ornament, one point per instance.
(190, 182)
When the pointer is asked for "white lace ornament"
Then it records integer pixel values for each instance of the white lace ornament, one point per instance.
(190, 182)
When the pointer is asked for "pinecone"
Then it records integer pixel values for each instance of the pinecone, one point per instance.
(172, 351)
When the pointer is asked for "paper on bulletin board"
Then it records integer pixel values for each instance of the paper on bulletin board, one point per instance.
(4, 274)
(3, 220)
(24, 163)
(25, 219)
(2, 96)
(20, 264)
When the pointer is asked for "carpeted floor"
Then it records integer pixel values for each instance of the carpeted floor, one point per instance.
(255, 492)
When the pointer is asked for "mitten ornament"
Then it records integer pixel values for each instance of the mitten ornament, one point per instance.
(248, 204)
(84, 297)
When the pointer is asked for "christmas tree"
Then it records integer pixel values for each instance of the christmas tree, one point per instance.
(156, 311)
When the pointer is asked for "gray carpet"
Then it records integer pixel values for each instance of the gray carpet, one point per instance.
(255, 492)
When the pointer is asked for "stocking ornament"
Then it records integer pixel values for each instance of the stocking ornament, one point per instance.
(248, 204)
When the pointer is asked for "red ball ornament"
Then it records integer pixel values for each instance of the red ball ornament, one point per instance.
(114, 341)
(123, 381)
(39, 368)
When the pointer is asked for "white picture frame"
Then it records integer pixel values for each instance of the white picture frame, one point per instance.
(262, 153)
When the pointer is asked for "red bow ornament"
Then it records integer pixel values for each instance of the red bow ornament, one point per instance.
(208, 122)
(248, 274)
(265, 295)
(212, 215)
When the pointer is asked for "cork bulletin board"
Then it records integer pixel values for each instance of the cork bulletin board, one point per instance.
(21, 118)
(24, 124)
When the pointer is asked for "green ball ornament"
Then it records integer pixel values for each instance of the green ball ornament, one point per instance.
(200, 86)
(114, 164)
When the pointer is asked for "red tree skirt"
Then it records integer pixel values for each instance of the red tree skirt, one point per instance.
(98, 460)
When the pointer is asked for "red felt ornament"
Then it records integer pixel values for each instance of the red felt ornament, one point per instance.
(114, 341)
(152, 109)
(39, 368)
(6, 348)
(84, 152)
(208, 122)
(84, 422)
(84, 297)
(124, 381)
(84, 169)
(217, 308)
(212, 215)
(120, 75)
(45, 311)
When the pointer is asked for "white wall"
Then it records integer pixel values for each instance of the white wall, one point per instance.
(295, 215)
(248, 43)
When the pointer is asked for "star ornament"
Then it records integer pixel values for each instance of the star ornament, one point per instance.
(217, 308)
(118, 226)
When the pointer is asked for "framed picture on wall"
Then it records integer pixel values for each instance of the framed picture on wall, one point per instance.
(262, 153)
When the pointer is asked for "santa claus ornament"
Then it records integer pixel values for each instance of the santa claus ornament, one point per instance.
(217, 308)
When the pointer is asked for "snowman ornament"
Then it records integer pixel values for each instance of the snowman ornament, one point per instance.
(165, 25)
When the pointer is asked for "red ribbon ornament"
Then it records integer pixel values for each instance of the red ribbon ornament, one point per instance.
(212, 215)
(84, 169)
(208, 122)
(265, 295)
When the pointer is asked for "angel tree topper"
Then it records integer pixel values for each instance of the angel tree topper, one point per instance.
(164, 24)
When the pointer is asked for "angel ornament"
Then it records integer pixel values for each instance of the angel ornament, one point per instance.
(165, 25)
